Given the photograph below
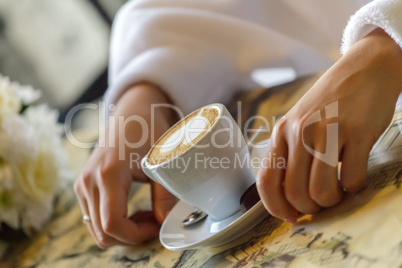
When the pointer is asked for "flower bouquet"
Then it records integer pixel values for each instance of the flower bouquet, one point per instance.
(32, 158)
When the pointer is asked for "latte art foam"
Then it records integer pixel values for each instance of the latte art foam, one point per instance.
(183, 135)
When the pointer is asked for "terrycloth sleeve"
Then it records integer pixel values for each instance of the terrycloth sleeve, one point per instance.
(386, 14)
(203, 51)
(189, 50)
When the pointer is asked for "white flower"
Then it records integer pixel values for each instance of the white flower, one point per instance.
(6, 177)
(32, 158)
(41, 177)
(28, 94)
(44, 122)
(13, 96)
(19, 208)
(38, 179)
(10, 102)
(18, 142)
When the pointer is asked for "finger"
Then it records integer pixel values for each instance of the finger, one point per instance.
(162, 201)
(269, 184)
(354, 165)
(297, 178)
(114, 220)
(84, 209)
(143, 216)
(103, 239)
(324, 184)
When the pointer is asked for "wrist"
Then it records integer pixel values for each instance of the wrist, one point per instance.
(138, 100)
(379, 56)
(137, 119)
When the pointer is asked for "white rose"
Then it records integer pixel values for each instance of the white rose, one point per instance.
(32, 158)
(28, 94)
(9, 100)
(18, 142)
(38, 179)
(20, 207)
(44, 122)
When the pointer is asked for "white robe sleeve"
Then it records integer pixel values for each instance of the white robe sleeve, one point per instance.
(386, 14)
(203, 51)
(188, 51)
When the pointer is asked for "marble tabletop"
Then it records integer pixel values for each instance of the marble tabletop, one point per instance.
(365, 230)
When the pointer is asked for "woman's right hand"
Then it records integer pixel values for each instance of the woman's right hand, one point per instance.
(338, 120)
(102, 188)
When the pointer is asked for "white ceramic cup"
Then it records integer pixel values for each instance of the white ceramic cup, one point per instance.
(195, 177)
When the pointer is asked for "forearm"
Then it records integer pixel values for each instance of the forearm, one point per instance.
(136, 121)
(376, 55)
(380, 48)
(138, 99)
(388, 54)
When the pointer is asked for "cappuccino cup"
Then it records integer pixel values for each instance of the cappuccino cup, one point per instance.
(204, 161)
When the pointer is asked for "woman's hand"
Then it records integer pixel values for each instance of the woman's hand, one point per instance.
(338, 120)
(103, 186)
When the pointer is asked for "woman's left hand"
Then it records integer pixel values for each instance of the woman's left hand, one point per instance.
(338, 120)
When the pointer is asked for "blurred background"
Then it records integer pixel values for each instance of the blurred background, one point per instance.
(60, 47)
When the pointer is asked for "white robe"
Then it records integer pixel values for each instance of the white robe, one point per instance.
(203, 51)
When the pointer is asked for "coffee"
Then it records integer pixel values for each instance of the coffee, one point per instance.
(184, 134)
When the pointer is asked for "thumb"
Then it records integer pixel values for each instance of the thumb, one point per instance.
(162, 201)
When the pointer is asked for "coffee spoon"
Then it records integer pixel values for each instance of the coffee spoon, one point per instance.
(198, 215)
(195, 216)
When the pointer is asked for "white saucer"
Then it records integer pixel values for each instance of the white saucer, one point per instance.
(209, 233)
